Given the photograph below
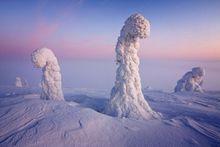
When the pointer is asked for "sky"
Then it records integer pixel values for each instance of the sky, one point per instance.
(88, 29)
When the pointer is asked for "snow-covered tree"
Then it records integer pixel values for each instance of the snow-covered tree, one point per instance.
(127, 99)
(191, 81)
(20, 82)
(51, 80)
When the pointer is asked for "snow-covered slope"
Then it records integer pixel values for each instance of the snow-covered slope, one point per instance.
(26, 120)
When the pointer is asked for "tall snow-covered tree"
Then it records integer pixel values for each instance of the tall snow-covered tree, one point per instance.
(51, 80)
(127, 99)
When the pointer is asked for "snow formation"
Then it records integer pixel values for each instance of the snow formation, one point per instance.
(51, 80)
(20, 82)
(191, 81)
(127, 99)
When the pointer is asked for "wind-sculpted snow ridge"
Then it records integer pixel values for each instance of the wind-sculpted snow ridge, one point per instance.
(190, 119)
(191, 81)
(20, 82)
(51, 80)
(126, 98)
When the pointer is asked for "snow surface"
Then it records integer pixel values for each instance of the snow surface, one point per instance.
(51, 82)
(191, 81)
(127, 99)
(189, 119)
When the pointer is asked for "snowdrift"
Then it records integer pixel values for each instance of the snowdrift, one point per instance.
(189, 119)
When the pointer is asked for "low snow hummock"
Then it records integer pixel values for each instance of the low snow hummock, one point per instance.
(191, 81)
(189, 119)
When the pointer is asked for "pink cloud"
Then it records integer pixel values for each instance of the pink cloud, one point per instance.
(95, 47)
(43, 32)
(45, 28)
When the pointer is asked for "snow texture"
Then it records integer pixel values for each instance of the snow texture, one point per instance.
(51, 80)
(190, 120)
(191, 81)
(126, 98)
(21, 82)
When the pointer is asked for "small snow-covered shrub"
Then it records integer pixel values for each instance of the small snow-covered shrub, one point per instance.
(127, 99)
(51, 80)
(191, 81)
(20, 82)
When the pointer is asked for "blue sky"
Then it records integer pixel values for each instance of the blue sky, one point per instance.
(87, 29)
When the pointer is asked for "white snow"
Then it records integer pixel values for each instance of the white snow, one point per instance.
(51, 80)
(189, 119)
(191, 81)
(127, 99)
(20, 82)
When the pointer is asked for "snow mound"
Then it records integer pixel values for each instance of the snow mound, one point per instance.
(51, 80)
(191, 81)
(27, 120)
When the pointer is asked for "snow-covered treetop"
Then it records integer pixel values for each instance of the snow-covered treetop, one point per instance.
(136, 26)
(40, 57)
(17, 78)
(198, 71)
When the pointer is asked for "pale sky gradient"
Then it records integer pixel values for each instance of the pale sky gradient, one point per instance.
(84, 29)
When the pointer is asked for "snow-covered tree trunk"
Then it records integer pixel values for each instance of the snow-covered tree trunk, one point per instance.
(51, 80)
(127, 99)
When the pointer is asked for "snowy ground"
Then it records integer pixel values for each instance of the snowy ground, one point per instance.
(188, 120)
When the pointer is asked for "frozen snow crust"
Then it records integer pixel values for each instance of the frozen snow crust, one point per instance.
(189, 120)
